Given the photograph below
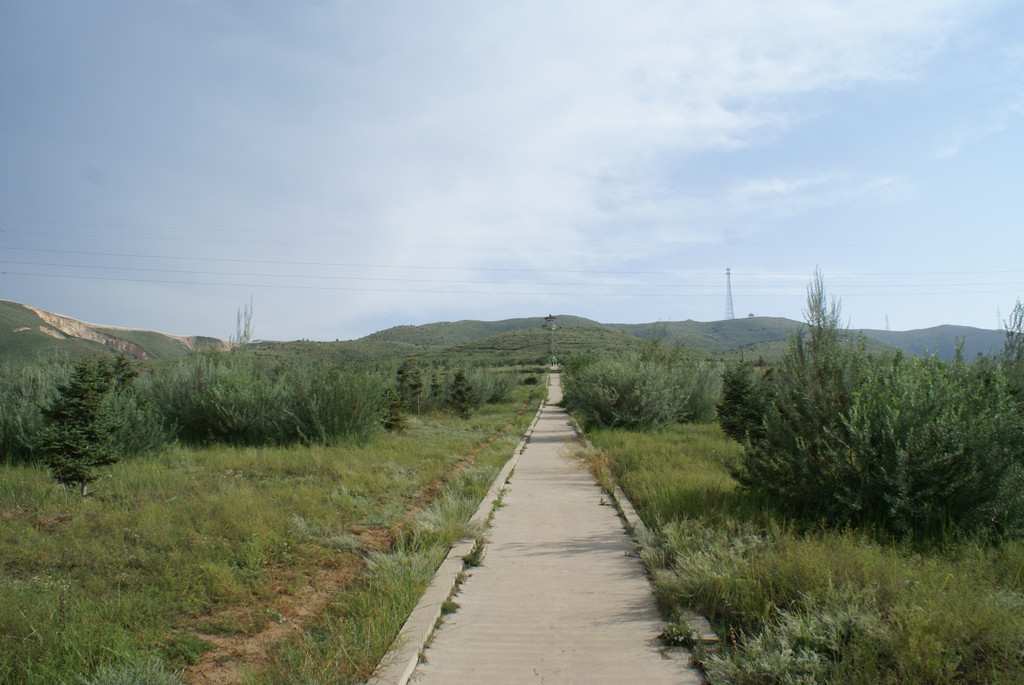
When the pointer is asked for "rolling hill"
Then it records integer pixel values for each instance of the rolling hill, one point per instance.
(942, 341)
(29, 333)
(449, 333)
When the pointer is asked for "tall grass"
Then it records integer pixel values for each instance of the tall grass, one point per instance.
(795, 602)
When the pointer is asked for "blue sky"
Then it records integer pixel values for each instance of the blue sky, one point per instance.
(353, 166)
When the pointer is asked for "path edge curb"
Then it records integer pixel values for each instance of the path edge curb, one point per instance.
(399, 663)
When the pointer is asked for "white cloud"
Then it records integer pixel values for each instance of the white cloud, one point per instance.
(576, 126)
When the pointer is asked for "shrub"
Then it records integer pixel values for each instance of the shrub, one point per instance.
(925, 444)
(641, 391)
(215, 397)
(234, 398)
(628, 393)
(912, 446)
(490, 387)
(334, 405)
(701, 383)
(24, 390)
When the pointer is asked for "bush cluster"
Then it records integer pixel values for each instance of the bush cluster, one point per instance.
(913, 446)
(456, 390)
(646, 390)
(27, 392)
(237, 398)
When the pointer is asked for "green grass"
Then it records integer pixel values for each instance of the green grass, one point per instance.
(812, 605)
(354, 633)
(191, 543)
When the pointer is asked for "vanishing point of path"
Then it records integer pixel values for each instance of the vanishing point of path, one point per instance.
(560, 597)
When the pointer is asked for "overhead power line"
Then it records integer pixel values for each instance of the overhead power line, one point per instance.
(760, 292)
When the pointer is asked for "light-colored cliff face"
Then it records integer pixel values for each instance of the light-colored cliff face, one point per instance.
(59, 326)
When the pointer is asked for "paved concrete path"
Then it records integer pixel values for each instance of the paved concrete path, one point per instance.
(559, 597)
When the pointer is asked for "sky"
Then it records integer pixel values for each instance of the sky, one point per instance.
(350, 166)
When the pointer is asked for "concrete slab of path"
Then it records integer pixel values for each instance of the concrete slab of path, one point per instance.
(560, 597)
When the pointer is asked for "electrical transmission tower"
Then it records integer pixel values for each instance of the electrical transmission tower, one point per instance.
(728, 295)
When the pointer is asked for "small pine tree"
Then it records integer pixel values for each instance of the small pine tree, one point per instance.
(462, 398)
(394, 411)
(742, 405)
(410, 383)
(82, 423)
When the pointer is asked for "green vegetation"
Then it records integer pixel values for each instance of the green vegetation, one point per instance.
(24, 390)
(242, 399)
(347, 640)
(808, 604)
(533, 346)
(914, 447)
(189, 546)
(225, 486)
(862, 526)
(83, 420)
(461, 397)
(511, 341)
(239, 399)
(450, 334)
(22, 337)
(652, 388)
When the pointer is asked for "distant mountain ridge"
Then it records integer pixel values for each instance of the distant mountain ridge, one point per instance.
(725, 336)
(27, 331)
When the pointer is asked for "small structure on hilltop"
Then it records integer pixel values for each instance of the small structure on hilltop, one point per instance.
(550, 318)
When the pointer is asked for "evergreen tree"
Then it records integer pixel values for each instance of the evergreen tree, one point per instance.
(742, 404)
(462, 398)
(82, 422)
(410, 383)
(394, 411)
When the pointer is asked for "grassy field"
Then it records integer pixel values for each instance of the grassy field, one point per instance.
(799, 605)
(281, 561)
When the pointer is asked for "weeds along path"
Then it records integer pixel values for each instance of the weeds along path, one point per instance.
(560, 596)
(300, 602)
